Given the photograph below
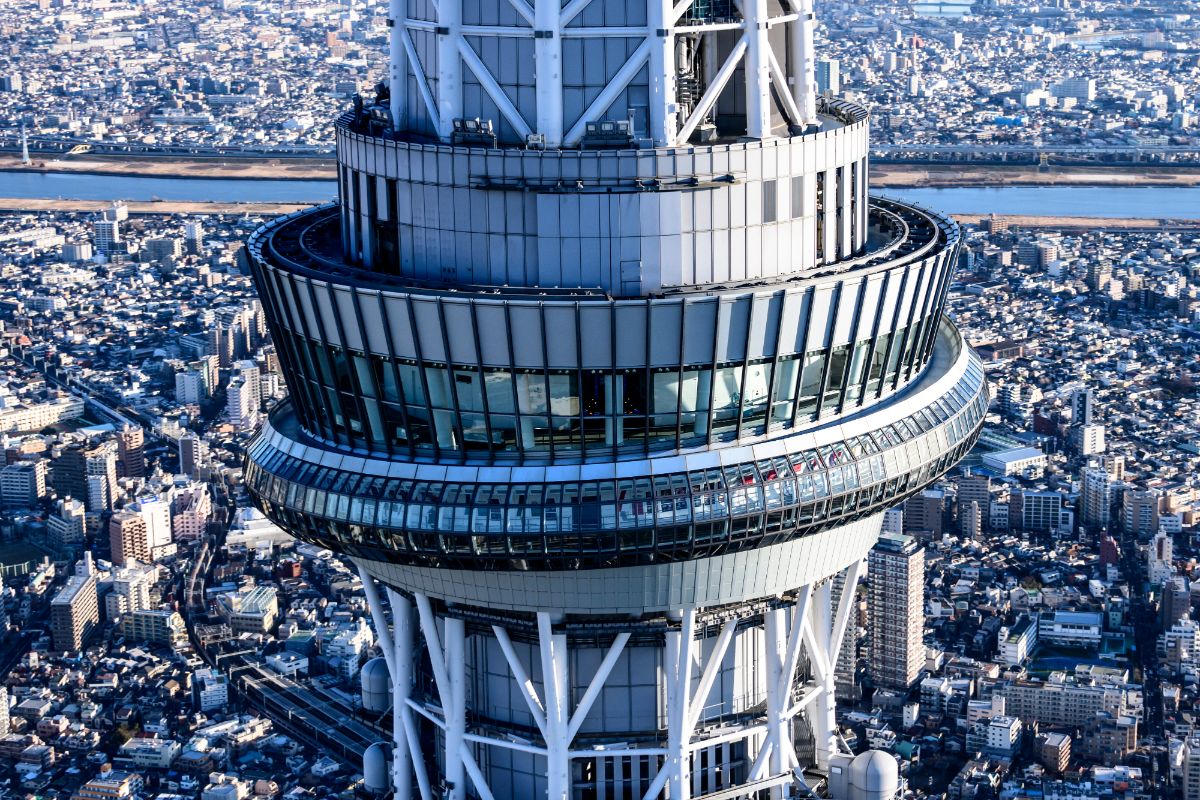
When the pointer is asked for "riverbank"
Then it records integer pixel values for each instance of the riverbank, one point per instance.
(150, 207)
(1078, 223)
(882, 175)
(296, 169)
(18, 204)
(913, 176)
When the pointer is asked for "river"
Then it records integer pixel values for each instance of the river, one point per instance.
(1125, 202)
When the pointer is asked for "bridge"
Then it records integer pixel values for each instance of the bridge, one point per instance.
(1038, 154)
(62, 146)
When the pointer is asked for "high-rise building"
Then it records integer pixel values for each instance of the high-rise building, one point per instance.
(190, 387)
(131, 458)
(193, 454)
(23, 484)
(612, 374)
(74, 613)
(896, 568)
(829, 76)
(67, 526)
(5, 724)
(1095, 498)
(127, 538)
(193, 237)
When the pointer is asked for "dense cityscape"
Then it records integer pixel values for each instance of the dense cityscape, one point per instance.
(1027, 627)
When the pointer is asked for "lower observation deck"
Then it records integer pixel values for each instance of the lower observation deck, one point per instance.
(653, 511)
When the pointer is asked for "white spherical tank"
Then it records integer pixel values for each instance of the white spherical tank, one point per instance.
(376, 686)
(377, 761)
(874, 775)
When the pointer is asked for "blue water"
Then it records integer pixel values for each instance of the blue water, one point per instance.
(66, 186)
(948, 9)
(1076, 201)
(1118, 202)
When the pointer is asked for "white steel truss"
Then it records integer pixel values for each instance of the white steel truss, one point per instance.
(549, 22)
(807, 628)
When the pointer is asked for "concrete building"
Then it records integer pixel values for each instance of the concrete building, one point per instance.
(896, 567)
(210, 690)
(74, 613)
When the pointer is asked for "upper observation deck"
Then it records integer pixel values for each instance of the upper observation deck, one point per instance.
(631, 222)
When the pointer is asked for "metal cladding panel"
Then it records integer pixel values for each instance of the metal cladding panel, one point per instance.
(734, 329)
(403, 342)
(561, 336)
(666, 322)
(764, 319)
(428, 320)
(870, 302)
(460, 331)
(630, 321)
(372, 322)
(891, 297)
(822, 309)
(843, 321)
(597, 344)
(493, 334)
(700, 323)
(910, 292)
(793, 320)
(527, 340)
(348, 316)
(309, 319)
(293, 310)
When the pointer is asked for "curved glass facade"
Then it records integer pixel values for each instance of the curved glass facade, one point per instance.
(635, 520)
(562, 378)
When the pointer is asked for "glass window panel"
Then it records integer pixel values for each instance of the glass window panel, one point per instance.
(810, 382)
(837, 374)
(468, 390)
(531, 393)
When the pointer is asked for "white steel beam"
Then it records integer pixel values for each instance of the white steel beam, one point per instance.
(449, 87)
(597, 683)
(406, 739)
(547, 59)
(804, 63)
(397, 65)
(536, 709)
(375, 606)
(570, 11)
(663, 111)
(553, 647)
(758, 69)
(711, 670)
(481, 785)
(401, 672)
(522, 8)
(679, 8)
(680, 646)
(784, 91)
(713, 91)
(456, 714)
(606, 97)
(418, 69)
(489, 84)
(778, 700)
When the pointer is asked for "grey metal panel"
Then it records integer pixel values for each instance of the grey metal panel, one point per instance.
(596, 352)
(460, 331)
(346, 311)
(733, 328)
(630, 334)
(561, 336)
(493, 334)
(764, 325)
(666, 320)
(526, 334)
(429, 329)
